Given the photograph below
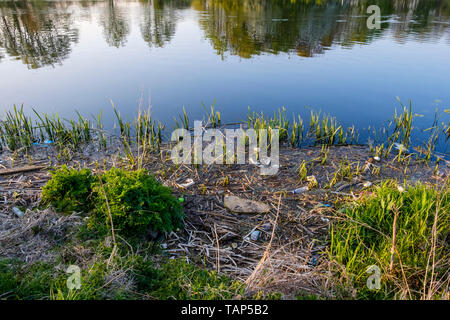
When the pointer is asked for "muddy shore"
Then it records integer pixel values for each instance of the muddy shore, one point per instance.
(279, 250)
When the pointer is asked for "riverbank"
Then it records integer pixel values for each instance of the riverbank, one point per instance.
(281, 252)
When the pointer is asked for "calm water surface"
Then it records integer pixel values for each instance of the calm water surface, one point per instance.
(78, 55)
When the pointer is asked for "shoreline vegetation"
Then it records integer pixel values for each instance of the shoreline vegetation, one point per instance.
(75, 194)
(19, 132)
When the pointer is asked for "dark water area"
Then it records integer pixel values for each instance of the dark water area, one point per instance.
(62, 56)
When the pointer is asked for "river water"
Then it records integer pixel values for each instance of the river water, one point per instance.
(67, 56)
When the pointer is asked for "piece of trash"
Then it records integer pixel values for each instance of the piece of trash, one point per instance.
(401, 189)
(324, 219)
(376, 158)
(254, 235)
(321, 205)
(401, 147)
(300, 190)
(246, 238)
(266, 226)
(189, 182)
(48, 141)
(441, 174)
(312, 181)
(181, 200)
(164, 245)
(18, 212)
(240, 205)
(367, 184)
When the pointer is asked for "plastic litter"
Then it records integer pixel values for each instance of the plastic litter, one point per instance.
(255, 235)
(376, 158)
(367, 184)
(300, 190)
(401, 147)
(189, 182)
(18, 212)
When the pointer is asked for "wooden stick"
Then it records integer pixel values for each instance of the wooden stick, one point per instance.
(255, 272)
(394, 234)
(218, 250)
(21, 169)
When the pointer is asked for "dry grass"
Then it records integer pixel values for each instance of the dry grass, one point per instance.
(288, 256)
(32, 237)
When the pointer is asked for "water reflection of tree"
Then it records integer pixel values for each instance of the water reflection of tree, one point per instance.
(306, 27)
(30, 33)
(159, 20)
(41, 33)
(115, 25)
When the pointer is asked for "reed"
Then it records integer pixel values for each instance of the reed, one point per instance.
(213, 116)
(184, 121)
(344, 172)
(297, 135)
(402, 125)
(19, 131)
(326, 130)
(303, 171)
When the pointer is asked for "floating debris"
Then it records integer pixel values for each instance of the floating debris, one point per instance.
(367, 184)
(401, 147)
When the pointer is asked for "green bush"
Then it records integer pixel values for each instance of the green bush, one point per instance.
(69, 190)
(363, 236)
(138, 203)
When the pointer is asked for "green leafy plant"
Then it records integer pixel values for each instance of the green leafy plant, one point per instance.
(137, 203)
(403, 233)
(69, 190)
